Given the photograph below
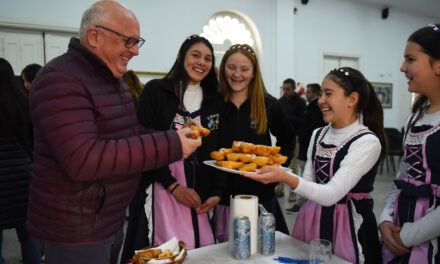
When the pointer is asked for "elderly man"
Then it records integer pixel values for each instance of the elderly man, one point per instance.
(89, 147)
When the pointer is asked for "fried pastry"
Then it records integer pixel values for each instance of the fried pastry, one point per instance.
(226, 150)
(247, 147)
(236, 146)
(262, 150)
(227, 164)
(279, 159)
(167, 253)
(233, 156)
(217, 155)
(260, 160)
(150, 253)
(245, 157)
(274, 150)
(250, 167)
(195, 134)
(199, 131)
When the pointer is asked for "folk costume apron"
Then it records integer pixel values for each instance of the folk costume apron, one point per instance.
(350, 224)
(172, 218)
(419, 192)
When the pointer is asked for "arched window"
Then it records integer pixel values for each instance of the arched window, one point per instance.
(227, 28)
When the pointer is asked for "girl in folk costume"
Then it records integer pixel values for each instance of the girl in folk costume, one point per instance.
(409, 223)
(342, 161)
(173, 201)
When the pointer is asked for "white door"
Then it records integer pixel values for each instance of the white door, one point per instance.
(21, 48)
(56, 44)
(331, 62)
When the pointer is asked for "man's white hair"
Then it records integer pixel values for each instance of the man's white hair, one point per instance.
(90, 18)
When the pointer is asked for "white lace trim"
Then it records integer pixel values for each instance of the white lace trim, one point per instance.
(148, 206)
(357, 222)
(420, 138)
(331, 152)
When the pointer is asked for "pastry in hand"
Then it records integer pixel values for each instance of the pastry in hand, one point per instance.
(199, 131)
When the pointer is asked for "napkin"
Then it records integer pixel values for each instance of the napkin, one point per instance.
(244, 205)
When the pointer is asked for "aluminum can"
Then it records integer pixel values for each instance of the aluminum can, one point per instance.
(266, 234)
(242, 237)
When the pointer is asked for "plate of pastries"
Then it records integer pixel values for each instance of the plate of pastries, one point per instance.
(170, 252)
(246, 157)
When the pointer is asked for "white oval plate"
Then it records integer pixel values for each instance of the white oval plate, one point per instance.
(213, 163)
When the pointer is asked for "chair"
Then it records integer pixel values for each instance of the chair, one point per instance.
(395, 148)
(389, 130)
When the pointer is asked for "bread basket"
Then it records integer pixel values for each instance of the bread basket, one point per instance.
(172, 260)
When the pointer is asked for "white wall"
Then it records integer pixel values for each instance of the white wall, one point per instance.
(346, 28)
(293, 45)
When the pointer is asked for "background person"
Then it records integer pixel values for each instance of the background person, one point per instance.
(294, 106)
(312, 119)
(89, 147)
(342, 162)
(15, 161)
(409, 223)
(28, 74)
(134, 85)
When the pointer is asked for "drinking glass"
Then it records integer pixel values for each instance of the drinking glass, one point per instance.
(320, 251)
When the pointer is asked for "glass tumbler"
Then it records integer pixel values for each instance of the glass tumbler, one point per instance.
(320, 251)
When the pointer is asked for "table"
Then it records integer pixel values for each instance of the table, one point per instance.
(285, 246)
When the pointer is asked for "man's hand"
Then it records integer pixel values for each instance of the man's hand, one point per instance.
(187, 196)
(391, 238)
(208, 204)
(189, 145)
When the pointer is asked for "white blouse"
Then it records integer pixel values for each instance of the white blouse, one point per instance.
(192, 99)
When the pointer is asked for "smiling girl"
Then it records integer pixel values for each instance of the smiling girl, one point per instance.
(342, 161)
(172, 201)
(250, 115)
(409, 223)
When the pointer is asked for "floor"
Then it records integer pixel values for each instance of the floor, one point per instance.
(11, 246)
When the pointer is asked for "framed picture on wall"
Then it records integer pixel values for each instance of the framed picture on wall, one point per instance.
(384, 92)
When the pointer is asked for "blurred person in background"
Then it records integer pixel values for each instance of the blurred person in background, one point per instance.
(15, 161)
(28, 74)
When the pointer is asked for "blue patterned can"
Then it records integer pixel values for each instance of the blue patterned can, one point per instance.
(266, 234)
(242, 237)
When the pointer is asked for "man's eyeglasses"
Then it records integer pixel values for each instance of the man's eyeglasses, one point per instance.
(129, 42)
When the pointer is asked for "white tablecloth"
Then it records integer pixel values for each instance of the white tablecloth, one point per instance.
(285, 246)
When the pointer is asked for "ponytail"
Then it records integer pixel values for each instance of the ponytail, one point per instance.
(373, 119)
(420, 103)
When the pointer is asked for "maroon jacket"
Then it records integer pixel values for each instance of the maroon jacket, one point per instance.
(89, 150)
